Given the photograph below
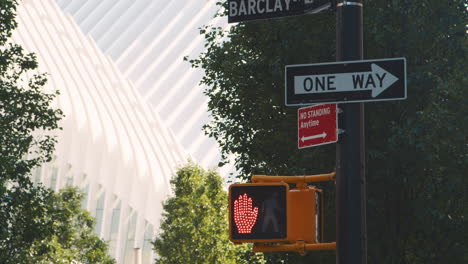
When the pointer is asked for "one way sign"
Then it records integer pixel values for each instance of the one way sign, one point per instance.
(346, 82)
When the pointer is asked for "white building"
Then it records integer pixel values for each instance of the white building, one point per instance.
(147, 40)
(133, 108)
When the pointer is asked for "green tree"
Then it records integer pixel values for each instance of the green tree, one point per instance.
(24, 111)
(37, 226)
(194, 228)
(72, 239)
(416, 149)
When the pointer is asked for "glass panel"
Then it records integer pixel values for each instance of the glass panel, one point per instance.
(129, 247)
(69, 180)
(37, 175)
(53, 179)
(114, 232)
(85, 190)
(147, 246)
(99, 213)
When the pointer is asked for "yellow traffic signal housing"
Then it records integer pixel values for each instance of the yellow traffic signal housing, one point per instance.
(271, 212)
(305, 215)
(275, 217)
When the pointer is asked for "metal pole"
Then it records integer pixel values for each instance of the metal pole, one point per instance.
(350, 151)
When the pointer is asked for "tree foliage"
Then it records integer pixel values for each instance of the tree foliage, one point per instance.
(72, 238)
(194, 226)
(416, 149)
(37, 226)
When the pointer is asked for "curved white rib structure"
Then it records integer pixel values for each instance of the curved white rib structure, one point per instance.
(113, 145)
(148, 40)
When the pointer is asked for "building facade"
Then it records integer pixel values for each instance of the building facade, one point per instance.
(133, 108)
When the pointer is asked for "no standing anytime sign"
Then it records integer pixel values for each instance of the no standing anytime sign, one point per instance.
(317, 125)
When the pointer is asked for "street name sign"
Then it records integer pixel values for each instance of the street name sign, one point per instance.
(317, 125)
(346, 82)
(245, 10)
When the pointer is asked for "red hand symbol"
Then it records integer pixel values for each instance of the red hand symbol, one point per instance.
(244, 215)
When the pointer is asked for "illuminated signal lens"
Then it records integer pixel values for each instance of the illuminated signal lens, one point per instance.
(245, 215)
(257, 212)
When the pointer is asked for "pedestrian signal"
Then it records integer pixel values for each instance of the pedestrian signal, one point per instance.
(258, 212)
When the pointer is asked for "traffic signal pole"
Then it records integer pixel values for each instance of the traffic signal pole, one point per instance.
(350, 151)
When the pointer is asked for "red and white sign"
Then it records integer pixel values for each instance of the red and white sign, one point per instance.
(317, 125)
